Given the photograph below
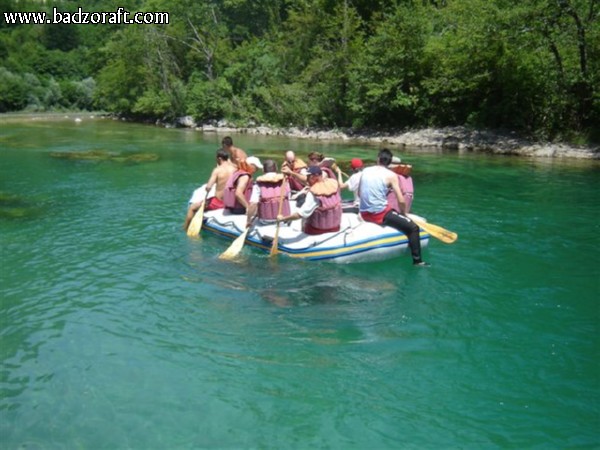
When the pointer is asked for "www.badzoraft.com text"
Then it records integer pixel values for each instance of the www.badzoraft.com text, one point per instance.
(120, 16)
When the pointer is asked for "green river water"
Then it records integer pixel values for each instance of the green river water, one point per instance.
(120, 332)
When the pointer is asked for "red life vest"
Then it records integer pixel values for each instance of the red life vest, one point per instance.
(298, 165)
(229, 199)
(328, 216)
(406, 186)
(270, 192)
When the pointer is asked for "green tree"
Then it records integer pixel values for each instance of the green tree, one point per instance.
(13, 91)
(121, 80)
(386, 77)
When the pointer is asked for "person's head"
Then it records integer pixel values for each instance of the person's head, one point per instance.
(314, 158)
(384, 157)
(254, 163)
(222, 155)
(356, 164)
(227, 142)
(314, 174)
(290, 156)
(269, 166)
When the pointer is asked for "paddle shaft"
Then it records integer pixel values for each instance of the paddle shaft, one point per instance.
(280, 209)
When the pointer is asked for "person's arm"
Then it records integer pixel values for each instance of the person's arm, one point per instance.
(298, 176)
(307, 208)
(251, 213)
(252, 209)
(339, 177)
(212, 180)
(240, 189)
(393, 183)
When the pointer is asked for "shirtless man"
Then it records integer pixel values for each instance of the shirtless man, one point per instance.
(236, 155)
(218, 178)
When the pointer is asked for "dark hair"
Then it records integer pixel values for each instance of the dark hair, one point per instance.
(317, 155)
(227, 141)
(222, 154)
(384, 157)
(269, 166)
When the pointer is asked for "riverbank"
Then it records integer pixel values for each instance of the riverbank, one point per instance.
(460, 139)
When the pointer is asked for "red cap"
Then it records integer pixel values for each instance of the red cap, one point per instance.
(356, 163)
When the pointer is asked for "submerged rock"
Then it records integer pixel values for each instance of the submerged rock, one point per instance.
(101, 155)
(14, 206)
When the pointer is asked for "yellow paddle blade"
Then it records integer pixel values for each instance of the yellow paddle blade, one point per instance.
(436, 231)
(236, 246)
(196, 223)
(275, 239)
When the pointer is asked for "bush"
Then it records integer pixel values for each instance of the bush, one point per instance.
(13, 91)
(209, 100)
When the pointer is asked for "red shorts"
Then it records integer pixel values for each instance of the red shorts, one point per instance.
(214, 203)
(375, 217)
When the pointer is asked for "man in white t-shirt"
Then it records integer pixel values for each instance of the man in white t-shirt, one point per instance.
(351, 184)
(375, 183)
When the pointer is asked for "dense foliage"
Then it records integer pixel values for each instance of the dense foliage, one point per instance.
(527, 65)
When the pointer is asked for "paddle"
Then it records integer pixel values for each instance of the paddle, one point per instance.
(436, 231)
(276, 238)
(196, 223)
(236, 246)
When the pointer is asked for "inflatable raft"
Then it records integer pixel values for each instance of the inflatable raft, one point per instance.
(357, 240)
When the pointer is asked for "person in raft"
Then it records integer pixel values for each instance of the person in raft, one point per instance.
(374, 184)
(295, 165)
(266, 194)
(238, 188)
(405, 181)
(300, 178)
(236, 155)
(351, 184)
(322, 208)
(218, 179)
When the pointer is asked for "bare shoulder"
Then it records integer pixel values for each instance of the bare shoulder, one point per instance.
(390, 176)
(238, 152)
(225, 170)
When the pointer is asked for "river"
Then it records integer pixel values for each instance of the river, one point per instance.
(119, 331)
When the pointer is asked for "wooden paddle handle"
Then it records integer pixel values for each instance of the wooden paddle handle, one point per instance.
(279, 211)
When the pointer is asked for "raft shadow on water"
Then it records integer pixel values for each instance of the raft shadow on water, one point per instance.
(281, 281)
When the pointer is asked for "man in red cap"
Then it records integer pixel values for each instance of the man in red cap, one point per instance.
(352, 184)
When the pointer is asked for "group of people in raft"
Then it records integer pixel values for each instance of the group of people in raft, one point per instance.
(383, 193)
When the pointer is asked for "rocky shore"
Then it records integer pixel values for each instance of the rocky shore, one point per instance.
(460, 139)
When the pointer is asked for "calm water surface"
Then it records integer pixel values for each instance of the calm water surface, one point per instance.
(117, 331)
